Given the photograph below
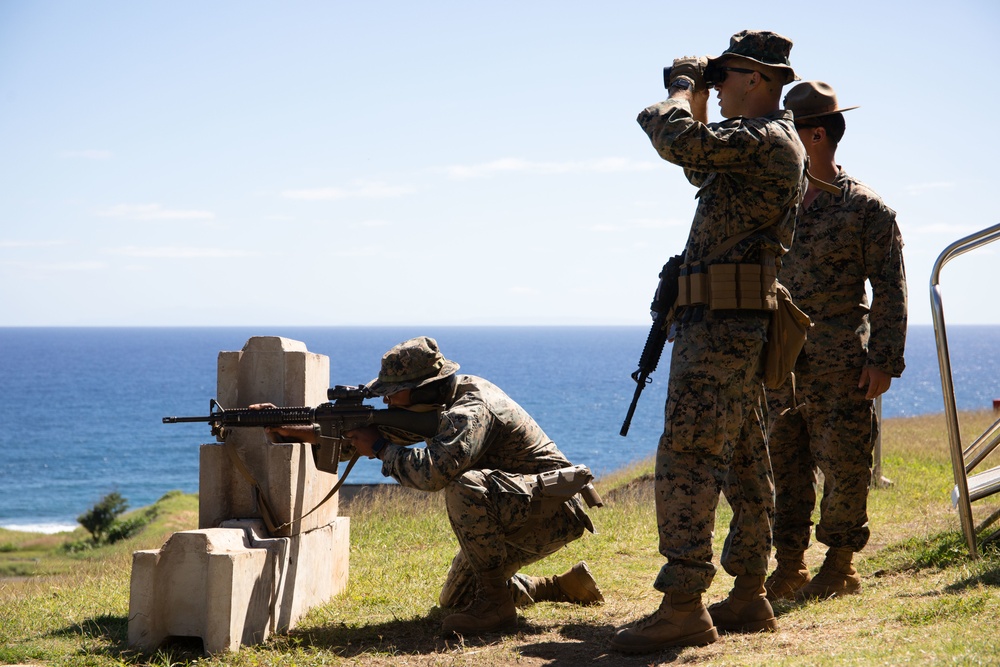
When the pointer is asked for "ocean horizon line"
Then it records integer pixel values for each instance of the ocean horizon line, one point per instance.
(509, 325)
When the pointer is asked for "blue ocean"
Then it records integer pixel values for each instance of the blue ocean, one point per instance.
(81, 408)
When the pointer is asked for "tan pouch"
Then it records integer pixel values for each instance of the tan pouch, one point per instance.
(748, 282)
(786, 334)
(683, 287)
(698, 280)
(722, 291)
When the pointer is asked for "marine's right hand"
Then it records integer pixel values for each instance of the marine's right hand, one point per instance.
(692, 67)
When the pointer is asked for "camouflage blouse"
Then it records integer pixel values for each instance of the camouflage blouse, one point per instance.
(747, 171)
(482, 429)
(840, 242)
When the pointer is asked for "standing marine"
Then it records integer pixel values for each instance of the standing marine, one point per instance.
(825, 420)
(749, 172)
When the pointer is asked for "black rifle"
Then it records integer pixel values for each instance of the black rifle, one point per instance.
(345, 412)
(662, 308)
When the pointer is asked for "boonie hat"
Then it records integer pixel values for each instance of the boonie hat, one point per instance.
(762, 47)
(411, 364)
(811, 99)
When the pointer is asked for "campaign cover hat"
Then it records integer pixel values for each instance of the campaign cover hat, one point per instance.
(812, 99)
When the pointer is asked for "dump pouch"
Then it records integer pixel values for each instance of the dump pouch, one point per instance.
(786, 334)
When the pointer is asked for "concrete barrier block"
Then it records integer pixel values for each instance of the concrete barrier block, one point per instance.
(211, 584)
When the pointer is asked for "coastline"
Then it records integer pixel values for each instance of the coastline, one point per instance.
(347, 493)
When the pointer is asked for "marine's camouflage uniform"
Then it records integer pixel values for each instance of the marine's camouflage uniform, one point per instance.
(485, 447)
(748, 171)
(839, 242)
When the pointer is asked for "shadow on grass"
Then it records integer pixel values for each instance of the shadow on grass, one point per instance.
(590, 644)
(580, 643)
(110, 633)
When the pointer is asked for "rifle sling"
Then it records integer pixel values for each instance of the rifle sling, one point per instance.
(266, 513)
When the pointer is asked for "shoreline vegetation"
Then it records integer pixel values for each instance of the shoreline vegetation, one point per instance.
(923, 601)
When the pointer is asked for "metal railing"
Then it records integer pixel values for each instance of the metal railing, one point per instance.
(968, 487)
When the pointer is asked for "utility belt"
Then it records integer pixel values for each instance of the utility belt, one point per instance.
(744, 286)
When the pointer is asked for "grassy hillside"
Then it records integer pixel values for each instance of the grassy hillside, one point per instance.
(924, 601)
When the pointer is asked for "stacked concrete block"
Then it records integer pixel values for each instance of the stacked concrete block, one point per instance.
(282, 372)
(233, 582)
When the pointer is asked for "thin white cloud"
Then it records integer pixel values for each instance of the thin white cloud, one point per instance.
(153, 212)
(179, 252)
(86, 155)
(920, 188)
(517, 165)
(56, 267)
(30, 244)
(356, 190)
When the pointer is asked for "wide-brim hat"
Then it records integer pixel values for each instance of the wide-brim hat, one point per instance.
(812, 99)
(411, 364)
(761, 47)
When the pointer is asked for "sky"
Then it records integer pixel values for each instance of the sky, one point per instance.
(436, 163)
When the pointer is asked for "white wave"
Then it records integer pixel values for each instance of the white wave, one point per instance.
(47, 528)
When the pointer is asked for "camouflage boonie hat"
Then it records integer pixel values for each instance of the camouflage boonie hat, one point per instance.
(812, 99)
(409, 365)
(762, 47)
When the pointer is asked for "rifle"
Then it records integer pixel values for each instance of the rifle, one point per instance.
(662, 309)
(344, 412)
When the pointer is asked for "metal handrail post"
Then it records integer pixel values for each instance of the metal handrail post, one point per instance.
(957, 248)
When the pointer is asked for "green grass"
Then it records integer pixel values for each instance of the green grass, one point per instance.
(924, 601)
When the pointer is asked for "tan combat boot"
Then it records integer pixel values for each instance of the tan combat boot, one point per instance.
(493, 608)
(790, 575)
(576, 585)
(681, 620)
(836, 576)
(746, 609)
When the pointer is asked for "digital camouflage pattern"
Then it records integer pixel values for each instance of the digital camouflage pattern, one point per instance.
(839, 243)
(759, 46)
(485, 447)
(411, 364)
(749, 171)
(713, 440)
(833, 430)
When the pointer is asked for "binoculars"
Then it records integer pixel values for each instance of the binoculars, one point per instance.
(711, 74)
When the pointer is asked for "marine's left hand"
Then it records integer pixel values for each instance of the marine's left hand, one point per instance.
(877, 381)
(363, 439)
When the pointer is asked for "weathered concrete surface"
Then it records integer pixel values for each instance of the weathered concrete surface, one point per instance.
(231, 582)
(267, 370)
(203, 583)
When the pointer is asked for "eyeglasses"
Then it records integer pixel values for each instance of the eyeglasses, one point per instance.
(720, 74)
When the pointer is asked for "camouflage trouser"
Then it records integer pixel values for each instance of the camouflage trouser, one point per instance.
(498, 527)
(834, 430)
(714, 440)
